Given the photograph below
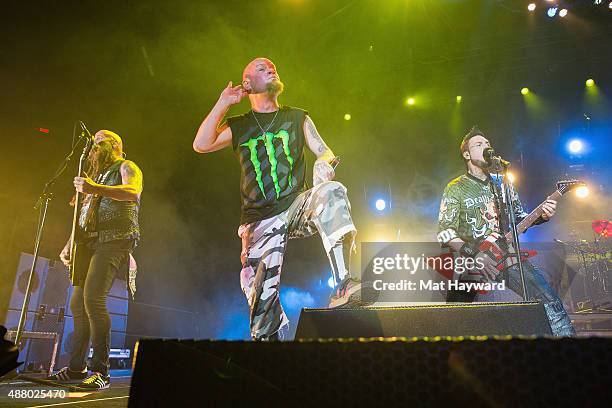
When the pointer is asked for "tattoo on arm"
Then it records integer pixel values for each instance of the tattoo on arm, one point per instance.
(131, 174)
(315, 135)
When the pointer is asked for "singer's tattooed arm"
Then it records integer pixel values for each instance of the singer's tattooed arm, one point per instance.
(315, 143)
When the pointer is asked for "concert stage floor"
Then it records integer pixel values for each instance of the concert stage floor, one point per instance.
(114, 397)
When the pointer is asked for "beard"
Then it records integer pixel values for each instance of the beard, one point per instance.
(480, 163)
(275, 87)
(100, 158)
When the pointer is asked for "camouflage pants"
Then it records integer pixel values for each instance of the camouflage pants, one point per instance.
(324, 209)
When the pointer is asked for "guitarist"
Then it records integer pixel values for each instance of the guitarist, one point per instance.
(472, 209)
(106, 234)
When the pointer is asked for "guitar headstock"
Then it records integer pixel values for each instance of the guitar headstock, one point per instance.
(564, 186)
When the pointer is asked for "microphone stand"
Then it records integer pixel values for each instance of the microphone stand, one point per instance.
(512, 225)
(587, 291)
(42, 204)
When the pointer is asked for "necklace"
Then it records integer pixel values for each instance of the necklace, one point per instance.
(263, 132)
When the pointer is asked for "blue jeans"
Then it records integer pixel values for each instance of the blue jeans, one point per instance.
(537, 290)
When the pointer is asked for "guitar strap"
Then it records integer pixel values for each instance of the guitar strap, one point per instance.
(89, 210)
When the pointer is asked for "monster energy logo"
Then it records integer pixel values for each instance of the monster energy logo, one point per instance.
(267, 139)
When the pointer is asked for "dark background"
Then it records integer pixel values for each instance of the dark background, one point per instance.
(151, 71)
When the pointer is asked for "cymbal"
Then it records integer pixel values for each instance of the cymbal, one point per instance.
(602, 227)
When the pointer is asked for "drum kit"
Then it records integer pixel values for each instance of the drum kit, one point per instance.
(592, 260)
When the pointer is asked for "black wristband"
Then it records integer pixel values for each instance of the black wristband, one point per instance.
(469, 250)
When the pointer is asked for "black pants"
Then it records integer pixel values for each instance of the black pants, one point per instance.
(88, 305)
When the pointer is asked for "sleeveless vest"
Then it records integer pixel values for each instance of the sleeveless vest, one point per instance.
(112, 219)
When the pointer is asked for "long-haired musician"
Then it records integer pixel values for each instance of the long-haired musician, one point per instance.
(106, 234)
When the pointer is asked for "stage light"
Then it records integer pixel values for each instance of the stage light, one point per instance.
(552, 11)
(591, 82)
(511, 177)
(459, 98)
(563, 13)
(524, 91)
(610, 5)
(531, 6)
(410, 101)
(331, 283)
(582, 192)
(575, 146)
(381, 204)
(347, 116)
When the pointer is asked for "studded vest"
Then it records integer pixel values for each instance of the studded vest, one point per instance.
(115, 220)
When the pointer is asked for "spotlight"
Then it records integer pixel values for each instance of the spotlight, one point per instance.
(531, 6)
(410, 101)
(591, 82)
(575, 146)
(563, 13)
(331, 283)
(511, 177)
(582, 192)
(459, 98)
(610, 5)
(552, 11)
(381, 204)
(347, 116)
(524, 91)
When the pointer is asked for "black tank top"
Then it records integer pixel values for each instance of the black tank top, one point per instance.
(272, 166)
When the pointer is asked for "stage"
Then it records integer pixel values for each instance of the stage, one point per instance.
(307, 203)
(114, 397)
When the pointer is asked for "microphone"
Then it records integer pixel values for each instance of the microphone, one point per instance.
(335, 162)
(489, 156)
(85, 130)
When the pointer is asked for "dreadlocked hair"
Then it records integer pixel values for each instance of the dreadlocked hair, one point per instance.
(99, 159)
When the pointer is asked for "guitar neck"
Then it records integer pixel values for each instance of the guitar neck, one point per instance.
(532, 217)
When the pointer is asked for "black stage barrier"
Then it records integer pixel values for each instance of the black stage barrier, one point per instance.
(464, 319)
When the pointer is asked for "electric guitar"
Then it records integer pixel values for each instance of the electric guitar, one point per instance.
(500, 248)
(84, 226)
(80, 253)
